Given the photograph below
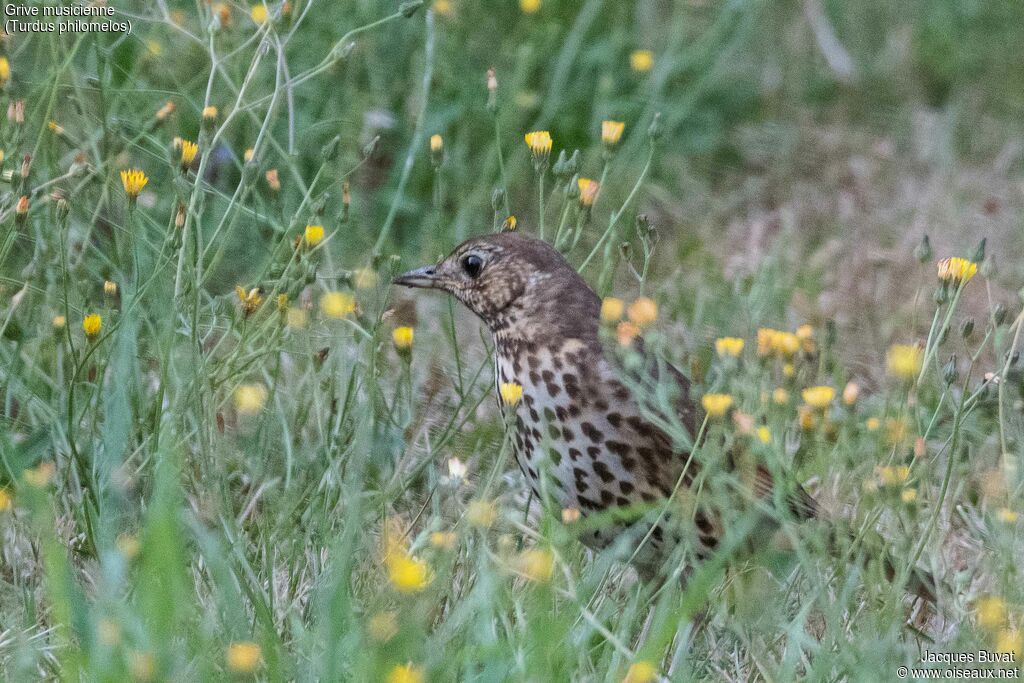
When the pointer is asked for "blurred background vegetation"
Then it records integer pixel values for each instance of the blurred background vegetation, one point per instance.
(805, 149)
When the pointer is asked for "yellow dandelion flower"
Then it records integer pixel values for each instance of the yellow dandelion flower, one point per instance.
(481, 513)
(729, 347)
(611, 309)
(133, 181)
(405, 673)
(626, 332)
(41, 475)
(59, 322)
(249, 301)
(536, 565)
(444, 540)
(641, 61)
(990, 612)
(640, 672)
(443, 8)
(55, 128)
(250, 398)
(764, 435)
(588, 191)
(904, 361)
(529, 6)
(383, 626)
(110, 288)
(258, 13)
(1011, 640)
(6, 500)
(408, 574)
(818, 397)
(5, 70)
(244, 657)
(313, 235)
(716, 405)
(539, 142)
(908, 495)
(128, 545)
(210, 113)
(892, 475)
(436, 144)
(511, 393)
(611, 132)
(642, 312)
(1006, 515)
(248, 155)
(92, 324)
(850, 393)
(402, 338)
(189, 150)
(780, 396)
(570, 515)
(872, 424)
(805, 416)
(509, 225)
(273, 180)
(788, 369)
(956, 270)
(337, 304)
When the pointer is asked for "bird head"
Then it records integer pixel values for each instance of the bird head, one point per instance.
(504, 271)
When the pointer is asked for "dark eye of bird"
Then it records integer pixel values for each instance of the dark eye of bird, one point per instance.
(472, 264)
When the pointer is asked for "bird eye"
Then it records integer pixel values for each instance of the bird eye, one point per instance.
(472, 264)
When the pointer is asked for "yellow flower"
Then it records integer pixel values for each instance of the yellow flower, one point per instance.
(408, 574)
(59, 322)
(850, 393)
(209, 113)
(872, 424)
(337, 304)
(383, 626)
(539, 142)
(6, 500)
(788, 370)
(405, 673)
(443, 8)
(273, 180)
(282, 302)
(165, 110)
(716, 405)
(904, 361)
(92, 324)
(570, 515)
(818, 397)
(764, 435)
(780, 396)
(133, 181)
(956, 270)
(729, 347)
(642, 312)
(805, 415)
(402, 337)
(443, 539)
(481, 513)
(611, 132)
(41, 475)
(250, 300)
(244, 657)
(990, 612)
(641, 61)
(908, 495)
(536, 565)
(436, 143)
(109, 288)
(5, 70)
(588, 191)
(611, 309)
(529, 6)
(55, 127)
(626, 332)
(892, 475)
(1006, 515)
(248, 155)
(250, 398)
(640, 672)
(189, 150)
(128, 545)
(1011, 640)
(509, 225)
(314, 234)
(511, 393)
(776, 342)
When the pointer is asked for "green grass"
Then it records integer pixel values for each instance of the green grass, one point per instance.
(195, 476)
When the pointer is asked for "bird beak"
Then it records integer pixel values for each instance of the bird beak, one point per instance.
(425, 277)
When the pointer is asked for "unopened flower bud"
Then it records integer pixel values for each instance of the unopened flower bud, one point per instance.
(979, 252)
(497, 198)
(967, 328)
(330, 150)
(949, 372)
(999, 315)
(409, 8)
(370, 147)
(923, 250)
(656, 128)
(492, 91)
(941, 294)
(988, 267)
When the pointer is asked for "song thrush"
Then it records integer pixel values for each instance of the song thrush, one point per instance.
(587, 433)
